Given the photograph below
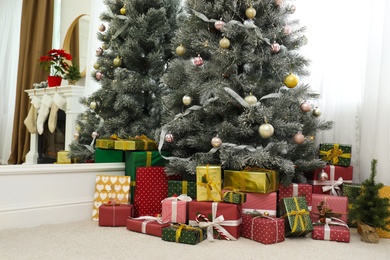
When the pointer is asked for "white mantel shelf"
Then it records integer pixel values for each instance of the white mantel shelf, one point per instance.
(72, 95)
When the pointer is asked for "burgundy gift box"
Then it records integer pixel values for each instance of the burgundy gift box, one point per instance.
(266, 230)
(147, 226)
(260, 202)
(337, 175)
(296, 190)
(332, 231)
(337, 204)
(212, 210)
(174, 211)
(114, 215)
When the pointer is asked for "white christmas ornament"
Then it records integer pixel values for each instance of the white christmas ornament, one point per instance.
(266, 130)
(216, 142)
(187, 100)
(251, 99)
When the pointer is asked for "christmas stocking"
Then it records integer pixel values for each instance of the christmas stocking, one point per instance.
(43, 112)
(31, 120)
(58, 103)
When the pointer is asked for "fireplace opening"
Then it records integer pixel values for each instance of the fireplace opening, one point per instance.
(50, 143)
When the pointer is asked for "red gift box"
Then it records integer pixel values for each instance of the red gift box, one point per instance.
(332, 230)
(174, 210)
(216, 211)
(266, 230)
(296, 190)
(260, 202)
(114, 215)
(338, 206)
(337, 175)
(147, 225)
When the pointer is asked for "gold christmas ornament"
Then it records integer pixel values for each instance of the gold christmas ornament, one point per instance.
(117, 61)
(251, 99)
(266, 130)
(187, 100)
(104, 46)
(291, 81)
(77, 128)
(250, 12)
(317, 112)
(180, 50)
(96, 66)
(123, 9)
(93, 105)
(224, 43)
(216, 142)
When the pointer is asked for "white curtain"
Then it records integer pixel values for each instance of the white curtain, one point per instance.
(347, 45)
(10, 18)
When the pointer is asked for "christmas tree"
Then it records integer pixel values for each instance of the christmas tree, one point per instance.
(233, 94)
(135, 48)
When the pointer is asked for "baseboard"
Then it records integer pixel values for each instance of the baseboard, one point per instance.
(34, 195)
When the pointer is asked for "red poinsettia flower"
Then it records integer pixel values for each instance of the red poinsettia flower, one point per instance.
(55, 62)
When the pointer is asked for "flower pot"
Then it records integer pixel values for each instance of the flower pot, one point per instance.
(54, 81)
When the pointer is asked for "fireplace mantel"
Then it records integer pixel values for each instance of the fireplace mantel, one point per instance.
(72, 95)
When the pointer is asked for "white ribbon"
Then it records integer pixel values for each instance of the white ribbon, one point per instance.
(182, 197)
(295, 190)
(332, 221)
(334, 185)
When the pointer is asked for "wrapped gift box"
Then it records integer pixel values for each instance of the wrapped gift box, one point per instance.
(296, 190)
(337, 175)
(235, 197)
(336, 154)
(208, 183)
(263, 203)
(252, 180)
(351, 191)
(266, 230)
(174, 211)
(150, 226)
(212, 210)
(108, 156)
(297, 217)
(135, 159)
(114, 215)
(332, 231)
(105, 143)
(384, 193)
(137, 143)
(108, 188)
(183, 234)
(63, 157)
(179, 187)
(338, 206)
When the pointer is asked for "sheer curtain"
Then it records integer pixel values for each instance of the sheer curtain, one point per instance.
(10, 17)
(346, 43)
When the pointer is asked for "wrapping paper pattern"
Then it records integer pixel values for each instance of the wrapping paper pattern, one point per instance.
(174, 211)
(263, 203)
(184, 234)
(338, 205)
(351, 190)
(208, 183)
(115, 215)
(182, 187)
(332, 231)
(148, 226)
(110, 187)
(336, 154)
(297, 217)
(108, 156)
(384, 193)
(235, 197)
(266, 230)
(296, 190)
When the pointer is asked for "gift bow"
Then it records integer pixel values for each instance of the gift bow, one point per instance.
(331, 221)
(148, 219)
(182, 197)
(231, 192)
(186, 227)
(209, 184)
(334, 185)
(215, 224)
(298, 216)
(334, 154)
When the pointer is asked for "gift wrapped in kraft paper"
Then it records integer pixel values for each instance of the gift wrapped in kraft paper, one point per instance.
(252, 180)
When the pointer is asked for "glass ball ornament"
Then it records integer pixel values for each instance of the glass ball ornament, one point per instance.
(216, 142)
(96, 66)
(180, 50)
(251, 99)
(123, 10)
(299, 138)
(323, 176)
(219, 24)
(291, 80)
(76, 136)
(169, 138)
(104, 46)
(187, 100)
(102, 28)
(275, 47)
(279, 2)
(224, 43)
(317, 112)
(99, 75)
(77, 128)
(99, 51)
(94, 135)
(117, 61)
(250, 12)
(198, 61)
(92, 105)
(292, 9)
(266, 130)
(287, 30)
(305, 107)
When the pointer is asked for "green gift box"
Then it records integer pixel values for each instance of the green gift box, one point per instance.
(105, 143)
(351, 190)
(336, 154)
(235, 197)
(108, 156)
(137, 143)
(297, 216)
(134, 159)
(182, 187)
(184, 234)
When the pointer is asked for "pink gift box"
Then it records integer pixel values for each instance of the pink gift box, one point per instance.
(260, 202)
(296, 190)
(266, 230)
(337, 175)
(332, 232)
(337, 204)
(174, 211)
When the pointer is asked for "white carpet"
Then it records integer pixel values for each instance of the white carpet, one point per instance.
(86, 240)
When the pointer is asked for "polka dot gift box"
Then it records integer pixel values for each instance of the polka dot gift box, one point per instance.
(263, 229)
(384, 193)
(331, 230)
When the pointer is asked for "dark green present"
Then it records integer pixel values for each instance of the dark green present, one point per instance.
(184, 234)
(108, 156)
(336, 154)
(182, 187)
(235, 197)
(135, 159)
(297, 216)
(351, 190)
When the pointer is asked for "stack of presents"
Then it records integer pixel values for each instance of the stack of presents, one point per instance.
(223, 204)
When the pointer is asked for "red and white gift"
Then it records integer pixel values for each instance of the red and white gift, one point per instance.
(336, 206)
(265, 203)
(264, 229)
(332, 230)
(296, 190)
(147, 225)
(114, 215)
(174, 209)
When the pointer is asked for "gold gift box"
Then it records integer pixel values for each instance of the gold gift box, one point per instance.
(208, 183)
(384, 193)
(137, 143)
(252, 180)
(105, 143)
(62, 157)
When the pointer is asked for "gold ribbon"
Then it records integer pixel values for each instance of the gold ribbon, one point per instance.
(186, 227)
(144, 139)
(298, 216)
(148, 159)
(184, 187)
(209, 184)
(132, 183)
(231, 192)
(334, 154)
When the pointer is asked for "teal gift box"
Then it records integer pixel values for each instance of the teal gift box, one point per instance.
(336, 154)
(108, 156)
